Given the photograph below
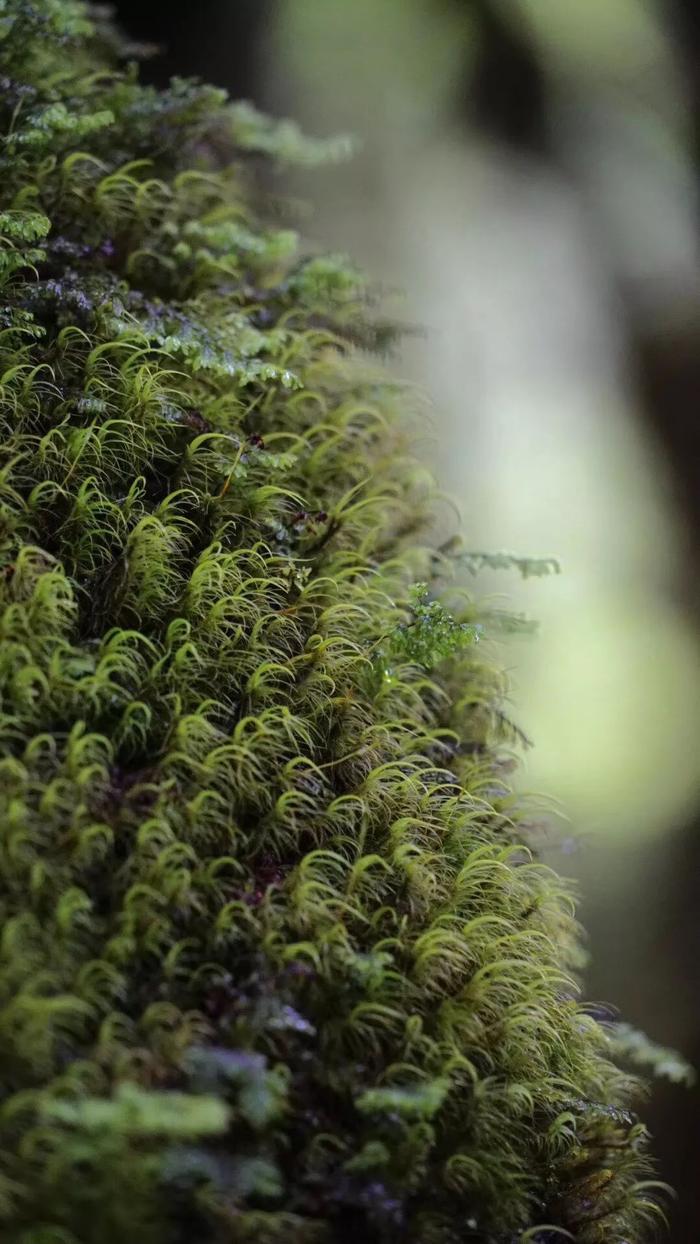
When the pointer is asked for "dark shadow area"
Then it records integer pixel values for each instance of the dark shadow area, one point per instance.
(214, 40)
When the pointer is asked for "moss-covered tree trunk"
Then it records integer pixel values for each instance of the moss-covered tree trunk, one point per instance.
(276, 963)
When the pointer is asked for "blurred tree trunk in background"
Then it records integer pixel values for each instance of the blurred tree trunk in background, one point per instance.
(511, 95)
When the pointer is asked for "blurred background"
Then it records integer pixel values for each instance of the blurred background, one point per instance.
(529, 180)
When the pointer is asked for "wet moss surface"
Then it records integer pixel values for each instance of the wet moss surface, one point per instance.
(277, 963)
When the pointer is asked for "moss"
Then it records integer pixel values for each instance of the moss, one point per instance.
(276, 963)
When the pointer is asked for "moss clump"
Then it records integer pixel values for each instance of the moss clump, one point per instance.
(275, 962)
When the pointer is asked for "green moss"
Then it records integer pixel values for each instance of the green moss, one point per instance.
(276, 963)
